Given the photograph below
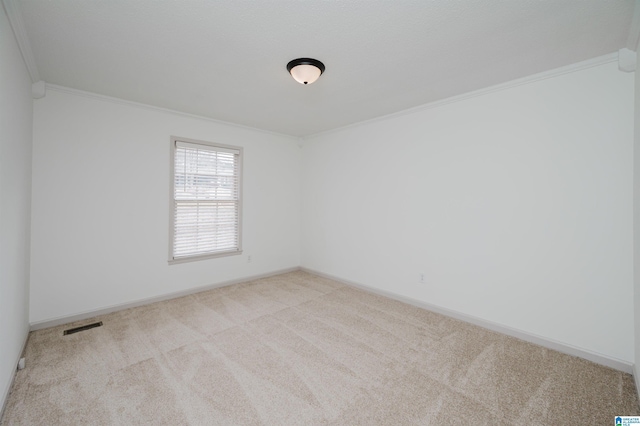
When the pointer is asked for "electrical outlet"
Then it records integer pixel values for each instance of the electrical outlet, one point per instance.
(421, 278)
(249, 259)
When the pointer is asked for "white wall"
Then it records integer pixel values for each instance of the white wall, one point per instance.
(16, 114)
(101, 204)
(516, 204)
(636, 226)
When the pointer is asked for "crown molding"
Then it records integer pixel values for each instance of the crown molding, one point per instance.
(578, 66)
(120, 101)
(627, 60)
(12, 9)
(39, 90)
(634, 30)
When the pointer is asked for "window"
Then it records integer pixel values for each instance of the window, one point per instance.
(206, 206)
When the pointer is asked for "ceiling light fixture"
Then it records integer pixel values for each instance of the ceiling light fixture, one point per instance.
(305, 70)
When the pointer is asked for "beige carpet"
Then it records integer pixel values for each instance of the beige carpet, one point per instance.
(297, 349)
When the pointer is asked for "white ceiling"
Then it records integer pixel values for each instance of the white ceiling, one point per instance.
(226, 59)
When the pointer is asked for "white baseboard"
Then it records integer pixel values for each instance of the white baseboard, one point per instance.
(7, 391)
(38, 325)
(598, 358)
(565, 348)
(636, 378)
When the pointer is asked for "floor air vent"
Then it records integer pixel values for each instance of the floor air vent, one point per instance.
(83, 328)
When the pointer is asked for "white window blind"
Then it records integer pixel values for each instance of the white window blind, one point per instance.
(206, 200)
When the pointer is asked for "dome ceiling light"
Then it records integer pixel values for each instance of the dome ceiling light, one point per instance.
(305, 70)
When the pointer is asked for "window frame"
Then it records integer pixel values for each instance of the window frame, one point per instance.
(172, 218)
